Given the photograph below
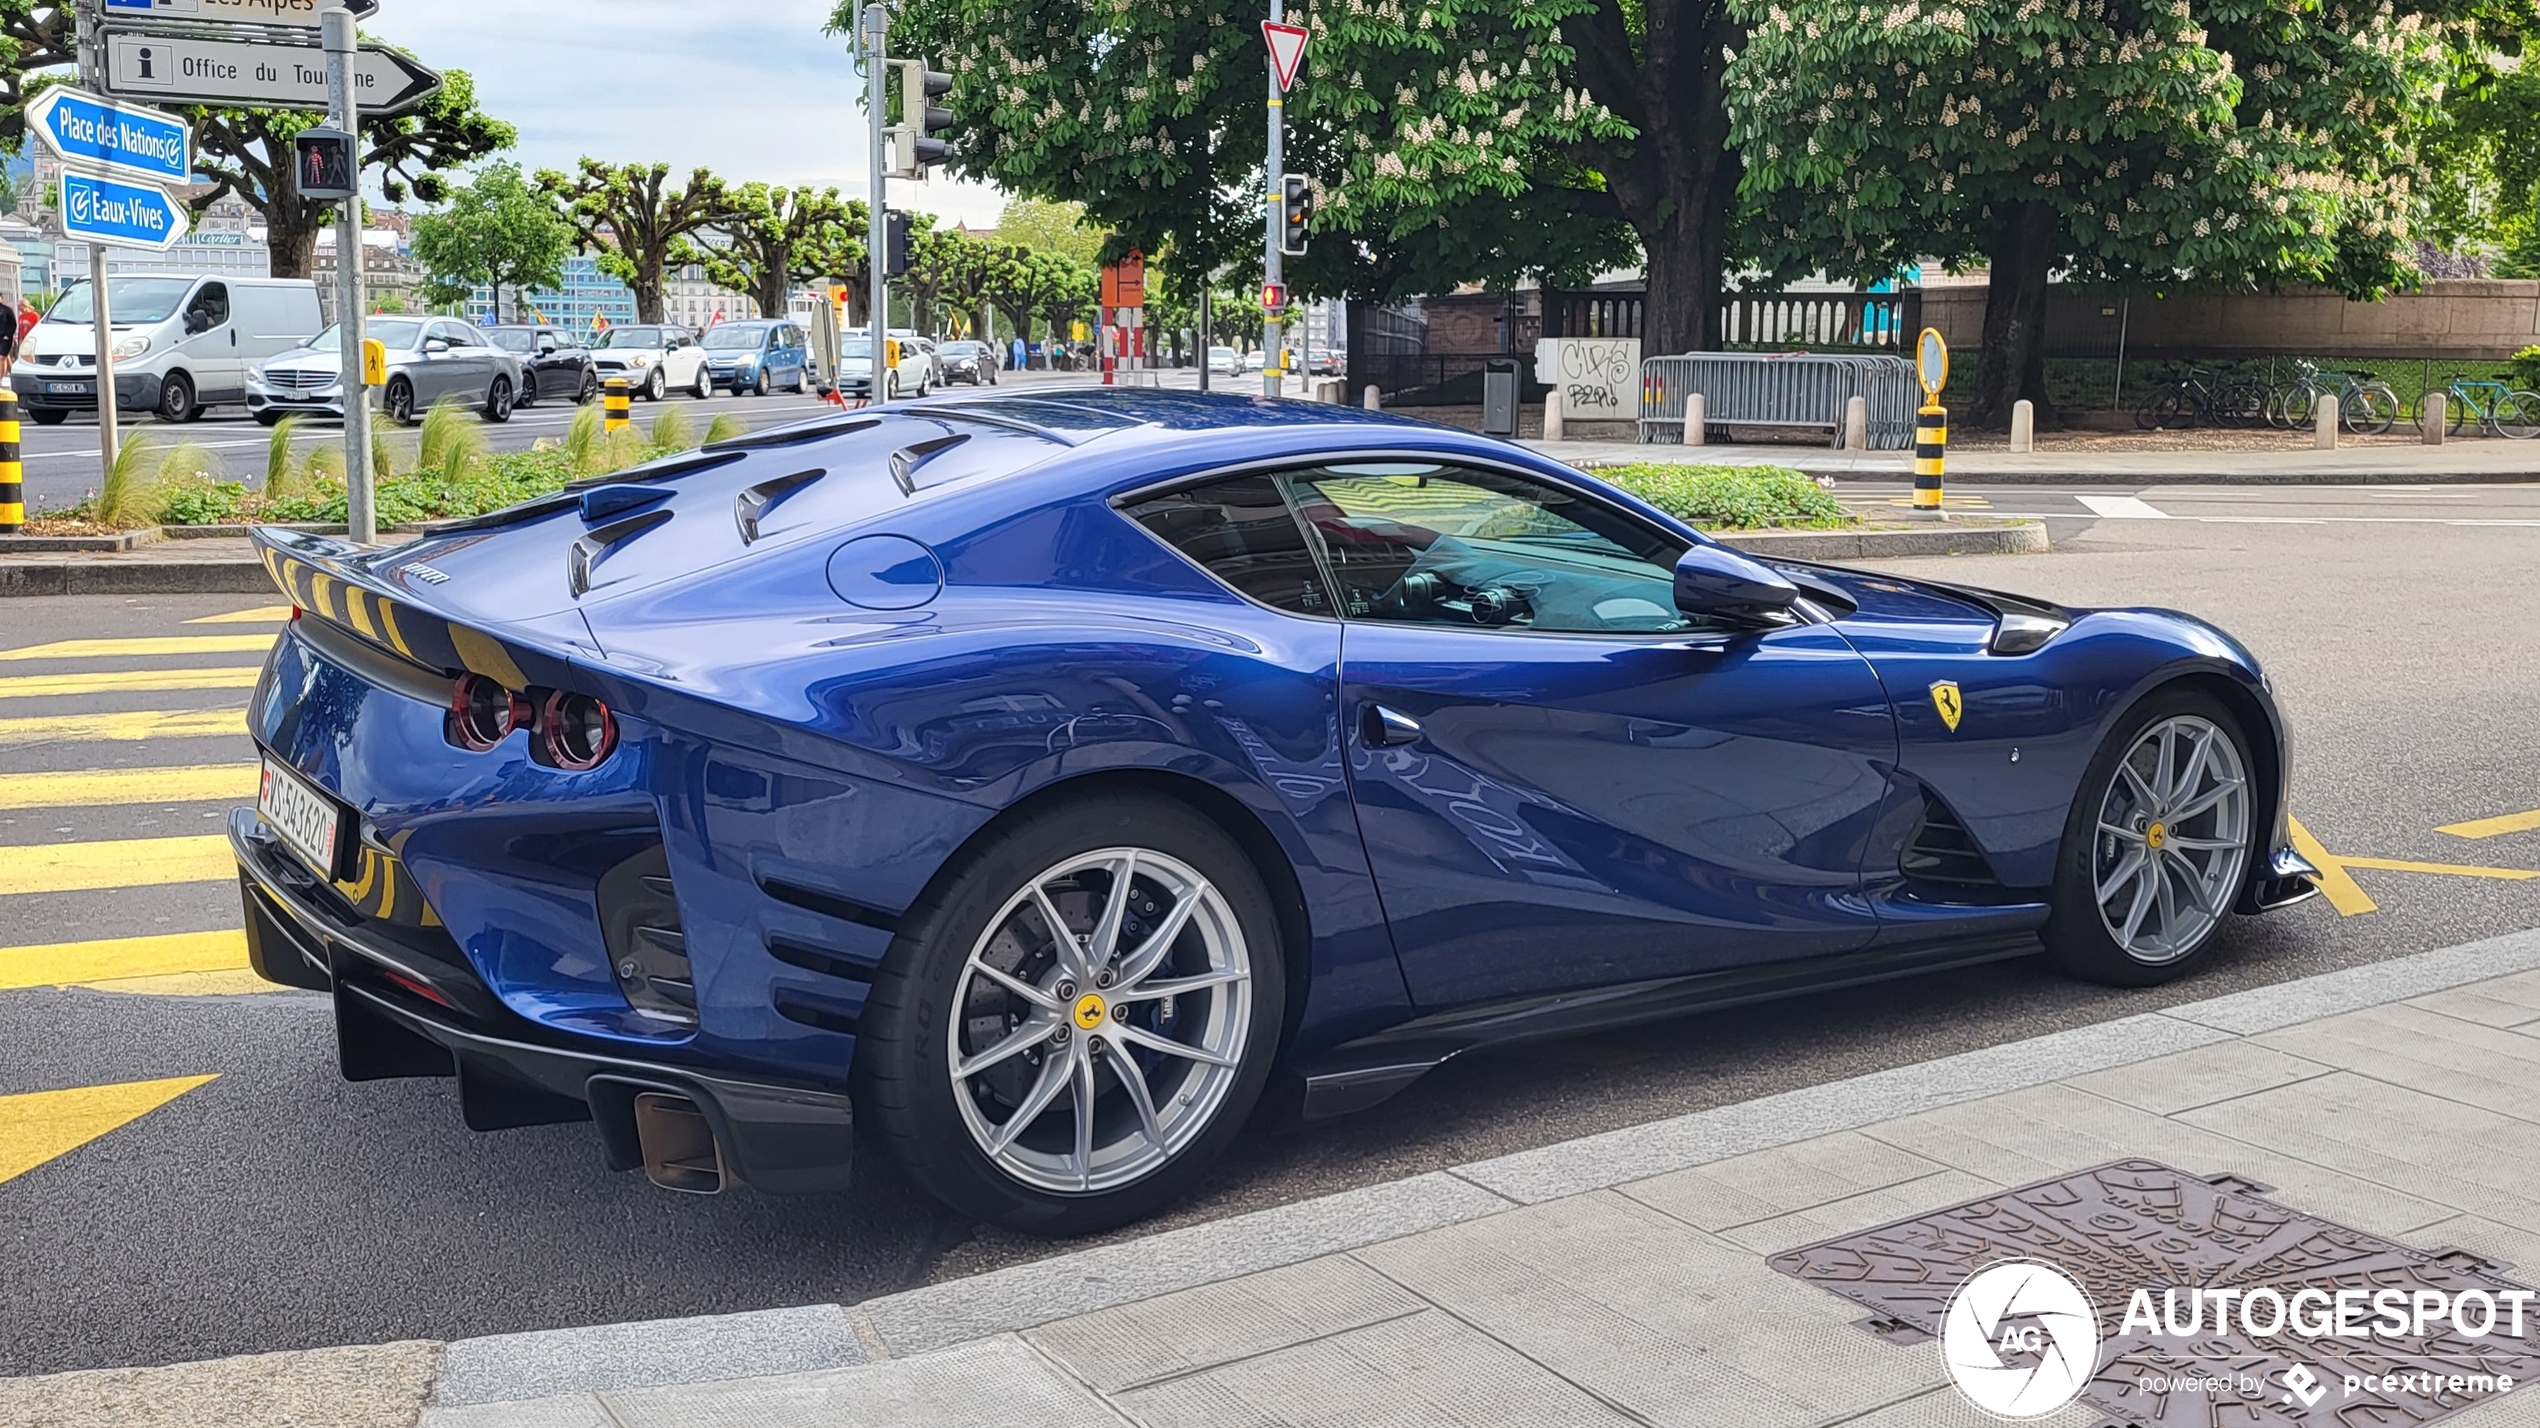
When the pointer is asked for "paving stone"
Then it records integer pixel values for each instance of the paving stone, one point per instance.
(568, 1410)
(507, 1367)
(2463, 1156)
(1944, 1408)
(1875, 1207)
(2200, 1077)
(2054, 1130)
(377, 1386)
(996, 1383)
(1426, 1371)
(1648, 1313)
(2517, 1250)
(2354, 988)
(2424, 1050)
(2505, 1002)
(1139, 1343)
(1768, 1183)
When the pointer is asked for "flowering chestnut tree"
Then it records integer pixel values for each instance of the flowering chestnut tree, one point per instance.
(2230, 143)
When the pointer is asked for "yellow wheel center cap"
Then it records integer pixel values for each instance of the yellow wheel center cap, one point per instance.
(1090, 1011)
(2157, 836)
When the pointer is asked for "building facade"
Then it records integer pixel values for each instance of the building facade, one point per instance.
(587, 298)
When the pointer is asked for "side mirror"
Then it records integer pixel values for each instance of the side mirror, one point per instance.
(433, 346)
(1716, 582)
(197, 323)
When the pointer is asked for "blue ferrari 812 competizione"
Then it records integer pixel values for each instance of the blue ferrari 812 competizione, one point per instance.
(1032, 778)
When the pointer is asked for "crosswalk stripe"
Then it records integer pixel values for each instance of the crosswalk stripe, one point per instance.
(139, 648)
(105, 788)
(123, 728)
(116, 864)
(48, 1125)
(269, 615)
(128, 681)
(68, 964)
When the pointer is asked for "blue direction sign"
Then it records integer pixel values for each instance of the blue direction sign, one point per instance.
(103, 210)
(85, 131)
(300, 13)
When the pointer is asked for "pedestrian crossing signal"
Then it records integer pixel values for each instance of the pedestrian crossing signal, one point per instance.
(325, 168)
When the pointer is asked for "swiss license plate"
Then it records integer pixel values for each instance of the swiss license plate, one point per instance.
(66, 389)
(308, 820)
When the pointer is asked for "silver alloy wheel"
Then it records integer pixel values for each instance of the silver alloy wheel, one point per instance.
(2173, 842)
(1118, 982)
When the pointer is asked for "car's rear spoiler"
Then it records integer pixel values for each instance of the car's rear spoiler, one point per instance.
(380, 601)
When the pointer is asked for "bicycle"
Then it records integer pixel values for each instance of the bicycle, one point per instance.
(2365, 406)
(2188, 401)
(2500, 410)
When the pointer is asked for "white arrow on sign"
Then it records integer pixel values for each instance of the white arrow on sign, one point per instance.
(300, 14)
(182, 69)
(1287, 51)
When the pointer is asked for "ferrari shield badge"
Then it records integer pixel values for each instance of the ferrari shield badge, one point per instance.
(1951, 704)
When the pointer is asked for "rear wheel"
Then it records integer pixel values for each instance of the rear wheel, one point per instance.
(1077, 1022)
(2158, 846)
(2369, 409)
(2518, 415)
(400, 401)
(498, 400)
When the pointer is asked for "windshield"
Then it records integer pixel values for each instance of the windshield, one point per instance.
(729, 338)
(960, 349)
(138, 302)
(622, 337)
(389, 332)
(514, 339)
(858, 344)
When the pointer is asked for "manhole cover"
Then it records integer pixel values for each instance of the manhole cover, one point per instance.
(2139, 1226)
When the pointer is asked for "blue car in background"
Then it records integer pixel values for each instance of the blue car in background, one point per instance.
(1031, 779)
(758, 357)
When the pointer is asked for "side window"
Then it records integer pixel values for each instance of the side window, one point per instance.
(209, 311)
(1242, 532)
(1429, 544)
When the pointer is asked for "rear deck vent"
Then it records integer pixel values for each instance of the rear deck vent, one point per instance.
(1943, 851)
(648, 947)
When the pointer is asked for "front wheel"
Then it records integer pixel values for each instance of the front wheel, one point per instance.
(48, 416)
(704, 390)
(2370, 409)
(498, 401)
(763, 385)
(400, 401)
(589, 391)
(176, 400)
(2158, 845)
(2518, 415)
(657, 386)
(1075, 1023)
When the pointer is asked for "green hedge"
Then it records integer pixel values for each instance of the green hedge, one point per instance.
(1736, 498)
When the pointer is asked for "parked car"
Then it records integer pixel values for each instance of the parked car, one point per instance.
(855, 369)
(758, 357)
(966, 361)
(1225, 362)
(921, 368)
(1256, 360)
(1018, 806)
(1322, 362)
(181, 344)
(429, 359)
(553, 363)
(654, 360)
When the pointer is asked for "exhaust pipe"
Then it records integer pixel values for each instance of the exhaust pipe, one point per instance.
(679, 1147)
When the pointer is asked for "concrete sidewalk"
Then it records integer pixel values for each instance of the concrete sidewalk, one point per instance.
(2372, 463)
(1624, 1278)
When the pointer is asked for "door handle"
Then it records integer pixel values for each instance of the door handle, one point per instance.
(1389, 729)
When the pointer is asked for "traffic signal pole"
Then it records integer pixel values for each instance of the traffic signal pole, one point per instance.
(877, 74)
(344, 112)
(1273, 264)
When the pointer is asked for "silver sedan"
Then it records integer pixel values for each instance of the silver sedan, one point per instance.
(429, 360)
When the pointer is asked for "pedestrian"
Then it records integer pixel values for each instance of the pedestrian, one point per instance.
(1020, 355)
(8, 347)
(28, 317)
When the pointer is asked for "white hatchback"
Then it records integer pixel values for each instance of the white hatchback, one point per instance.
(654, 360)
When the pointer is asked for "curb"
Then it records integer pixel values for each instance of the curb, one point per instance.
(2013, 538)
(483, 1378)
(81, 577)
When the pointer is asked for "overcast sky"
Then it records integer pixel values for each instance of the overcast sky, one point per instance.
(752, 89)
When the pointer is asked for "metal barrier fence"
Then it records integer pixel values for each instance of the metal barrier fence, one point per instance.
(1797, 389)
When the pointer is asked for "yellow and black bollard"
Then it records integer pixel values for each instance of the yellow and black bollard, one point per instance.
(12, 468)
(1931, 455)
(619, 404)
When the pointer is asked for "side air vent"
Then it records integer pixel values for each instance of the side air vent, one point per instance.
(796, 953)
(1942, 851)
(648, 948)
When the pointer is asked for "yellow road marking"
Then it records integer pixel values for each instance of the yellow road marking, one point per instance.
(2449, 870)
(268, 615)
(69, 964)
(187, 984)
(127, 681)
(2493, 827)
(121, 863)
(103, 788)
(124, 728)
(2335, 884)
(48, 1125)
(156, 645)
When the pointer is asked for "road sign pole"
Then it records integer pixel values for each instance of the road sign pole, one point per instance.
(1273, 261)
(877, 72)
(345, 110)
(109, 438)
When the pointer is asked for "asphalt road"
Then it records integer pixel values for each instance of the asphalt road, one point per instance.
(278, 1207)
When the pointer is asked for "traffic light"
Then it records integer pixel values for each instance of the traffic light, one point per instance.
(325, 167)
(1296, 215)
(894, 245)
(914, 147)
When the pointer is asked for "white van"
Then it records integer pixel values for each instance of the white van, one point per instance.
(181, 344)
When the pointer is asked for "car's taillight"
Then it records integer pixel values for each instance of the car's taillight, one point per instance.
(578, 730)
(484, 713)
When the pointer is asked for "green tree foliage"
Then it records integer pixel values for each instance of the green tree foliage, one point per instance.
(2230, 143)
(768, 239)
(499, 231)
(1023, 285)
(636, 221)
(1044, 226)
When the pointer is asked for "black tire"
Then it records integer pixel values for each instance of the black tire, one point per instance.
(589, 391)
(400, 401)
(531, 388)
(48, 416)
(704, 389)
(176, 400)
(268, 418)
(498, 401)
(657, 386)
(2078, 940)
(763, 385)
(904, 1090)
